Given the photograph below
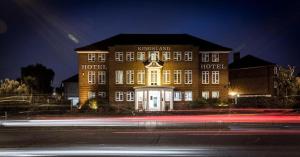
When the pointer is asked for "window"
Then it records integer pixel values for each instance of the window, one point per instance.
(205, 57)
(119, 77)
(167, 76)
(153, 77)
(140, 56)
(102, 94)
(205, 77)
(177, 96)
(130, 96)
(275, 84)
(177, 76)
(130, 56)
(215, 78)
(215, 94)
(177, 56)
(129, 76)
(188, 56)
(119, 96)
(188, 76)
(91, 77)
(188, 96)
(101, 77)
(168, 96)
(91, 95)
(91, 57)
(166, 56)
(141, 77)
(205, 94)
(275, 70)
(101, 57)
(154, 55)
(119, 56)
(215, 57)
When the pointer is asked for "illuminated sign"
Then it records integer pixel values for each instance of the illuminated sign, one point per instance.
(154, 48)
(212, 66)
(93, 67)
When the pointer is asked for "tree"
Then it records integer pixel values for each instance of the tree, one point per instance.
(286, 80)
(38, 77)
(9, 87)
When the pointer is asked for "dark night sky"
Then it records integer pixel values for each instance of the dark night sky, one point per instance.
(47, 32)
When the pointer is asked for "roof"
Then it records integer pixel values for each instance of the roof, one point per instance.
(249, 61)
(71, 79)
(153, 39)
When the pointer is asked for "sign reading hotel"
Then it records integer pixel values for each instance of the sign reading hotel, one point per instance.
(93, 67)
(212, 66)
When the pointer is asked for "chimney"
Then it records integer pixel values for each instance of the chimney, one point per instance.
(236, 56)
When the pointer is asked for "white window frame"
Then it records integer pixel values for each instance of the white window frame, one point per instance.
(188, 96)
(188, 56)
(91, 77)
(129, 76)
(205, 57)
(166, 55)
(177, 96)
(140, 56)
(130, 96)
(91, 57)
(215, 77)
(215, 94)
(119, 76)
(205, 77)
(119, 56)
(102, 94)
(167, 76)
(101, 77)
(101, 57)
(141, 77)
(177, 76)
(91, 95)
(188, 77)
(156, 58)
(119, 96)
(153, 77)
(205, 94)
(177, 56)
(129, 56)
(215, 57)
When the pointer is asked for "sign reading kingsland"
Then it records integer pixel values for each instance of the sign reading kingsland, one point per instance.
(153, 48)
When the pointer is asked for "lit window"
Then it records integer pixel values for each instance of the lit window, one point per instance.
(177, 96)
(140, 56)
(130, 96)
(205, 94)
(215, 94)
(153, 55)
(102, 94)
(101, 57)
(101, 77)
(119, 77)
(91, 95)
(275, 70)
(166, 56)
(205, 57)
(91, 57)
(275, 84)
(215, 57)
(141, 77)
(177, 56)
(188, 96)
(188, 75)
(119, 96)
(129, 56)
(177, 76)
(91, 77)
(168, 96)
(129, 76)
(119, 56)
(215, 77)
(188, 56)
(205, 77)
(153, 77)
(167, 76)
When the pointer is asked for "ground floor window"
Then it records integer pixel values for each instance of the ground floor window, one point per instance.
(177, 96)
(91, 95)
(102, 94)
(119, 96)
(130, 96)
(205, 94)
(215, 94)
(188, 96)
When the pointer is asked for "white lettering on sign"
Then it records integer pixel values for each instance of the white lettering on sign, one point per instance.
(212, 66)
(94, 67)
(153, 48)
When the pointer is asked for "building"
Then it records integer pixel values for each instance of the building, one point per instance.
(152, 72)
(250, 76)
(70, 89)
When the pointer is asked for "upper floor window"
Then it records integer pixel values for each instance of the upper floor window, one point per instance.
(91, 77)
(153, 77)
(205, 77)
(129, 56)
(141, 77)
(177, 76)
(119, 56)
(129, 76)
(188, 76)
(101, 77)
(119, 96)
(167, 76)
(166, 55)
(101, 57)
(140, 56)
(188, 56)
(130, 96)
(215, 57)
(205, 57)
(154, 55)
(119, 77)
(215, 78)
(177, 56)
(188, 96)
(91, 57)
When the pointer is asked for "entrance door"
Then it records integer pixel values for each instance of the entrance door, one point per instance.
(154, 100)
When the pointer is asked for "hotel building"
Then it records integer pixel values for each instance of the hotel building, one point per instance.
(153, 72)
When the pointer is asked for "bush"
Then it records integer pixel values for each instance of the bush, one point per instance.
(94, 104)
(205, 103)
(267, 102)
